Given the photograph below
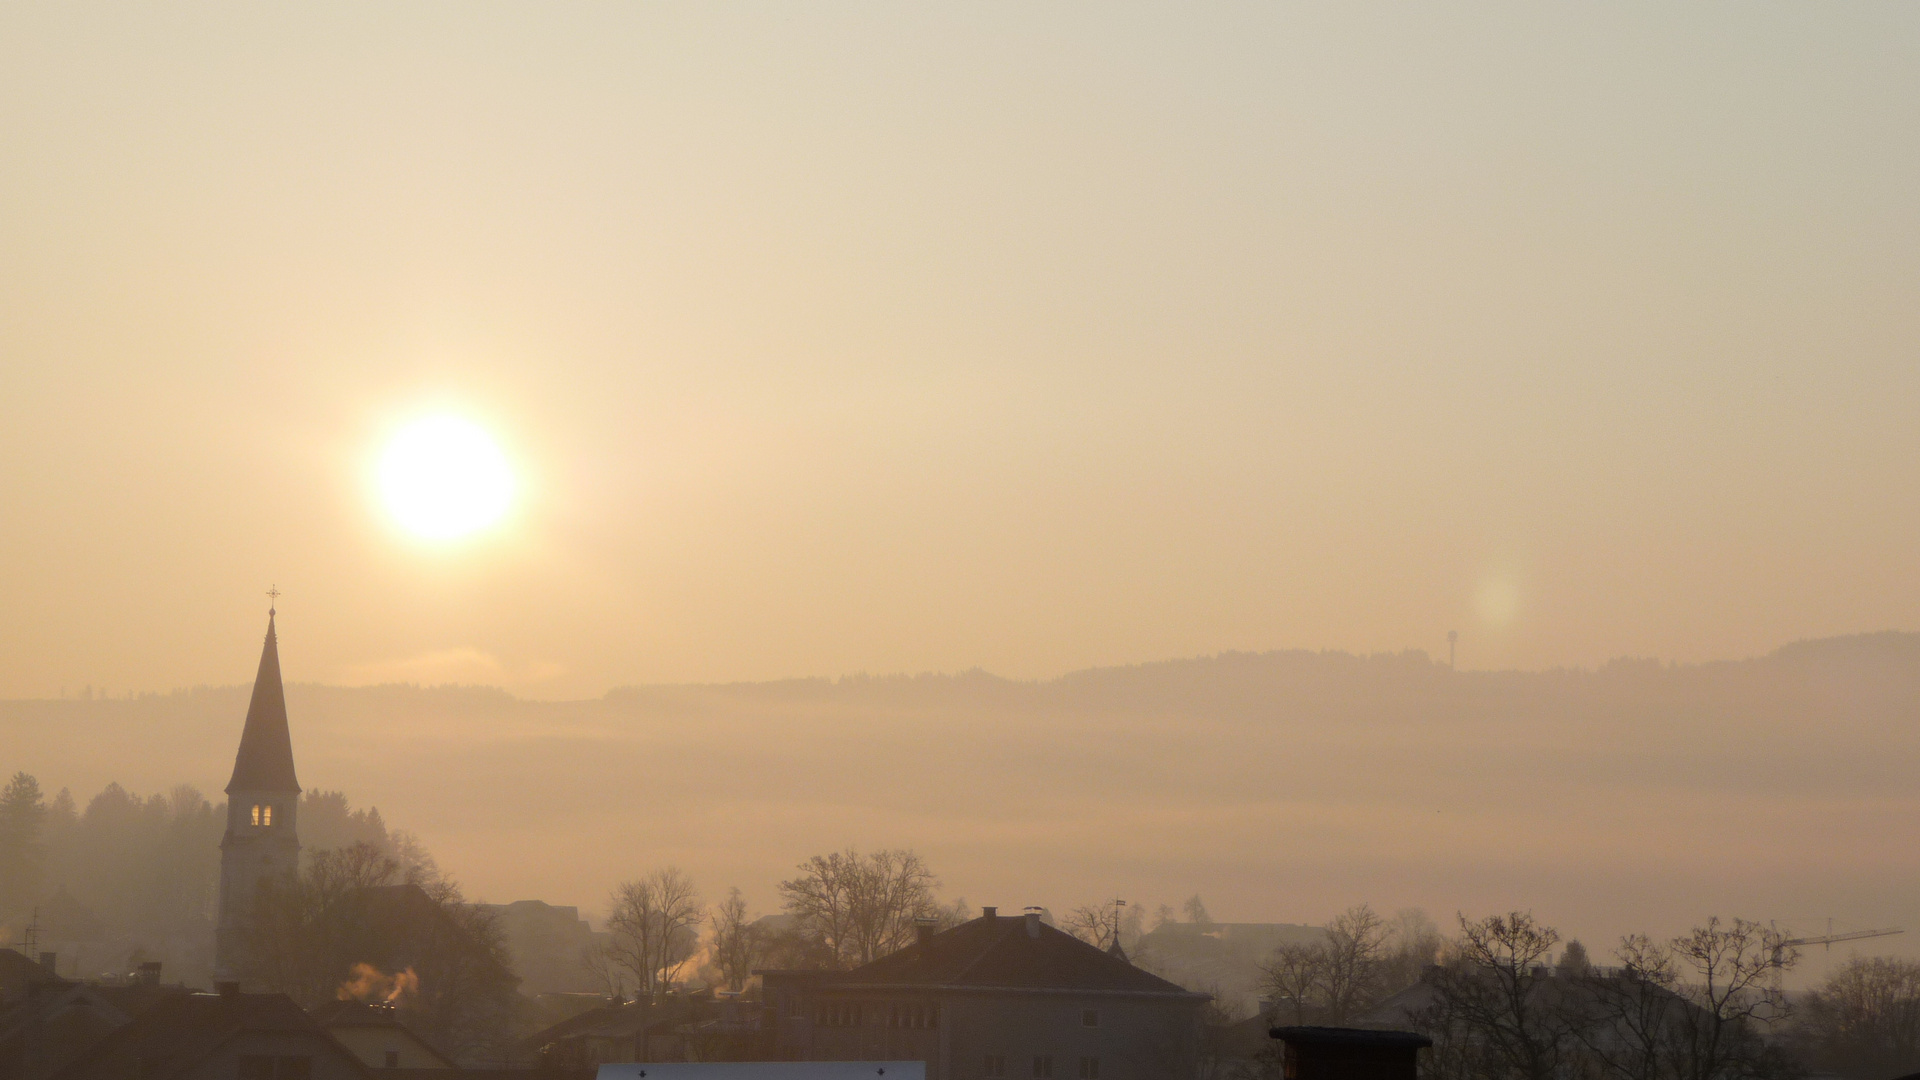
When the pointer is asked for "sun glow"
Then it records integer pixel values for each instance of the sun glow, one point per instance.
(443, 477)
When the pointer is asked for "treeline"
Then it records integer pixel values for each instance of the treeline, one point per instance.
(132, 877)
(839, 911)
(1504, 999)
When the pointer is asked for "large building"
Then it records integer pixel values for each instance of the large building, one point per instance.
(263, 800)
(992, 999)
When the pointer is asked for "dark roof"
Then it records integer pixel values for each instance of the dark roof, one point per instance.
(174, 1035)
(265, 760)
(1008, 952)
(18, 971)
(1335, 1036)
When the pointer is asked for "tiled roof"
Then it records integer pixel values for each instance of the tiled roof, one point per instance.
(1008, 952)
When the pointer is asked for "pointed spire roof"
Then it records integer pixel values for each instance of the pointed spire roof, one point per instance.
(265, 760)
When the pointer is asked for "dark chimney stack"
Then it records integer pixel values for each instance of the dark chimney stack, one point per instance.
(1033, 922)
(989, 913)
(923, 934)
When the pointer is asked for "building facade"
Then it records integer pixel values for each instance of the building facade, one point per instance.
(262, 841)
(991, 999)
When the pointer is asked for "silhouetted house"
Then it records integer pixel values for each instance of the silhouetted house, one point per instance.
(1330, 1053)
(988, 999)
(378, 1038)
(547, 943)
(1242, 1050)
(677, 1028)
(54, 1020)
(225, 1036)
(19, 973)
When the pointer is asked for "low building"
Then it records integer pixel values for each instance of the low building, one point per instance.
(377, 1037)
(224, 1036)
(991, 999)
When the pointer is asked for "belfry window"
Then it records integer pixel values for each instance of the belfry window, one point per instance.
(266, 815)
(256, 815)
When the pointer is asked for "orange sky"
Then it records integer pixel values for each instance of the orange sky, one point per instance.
(849, 339)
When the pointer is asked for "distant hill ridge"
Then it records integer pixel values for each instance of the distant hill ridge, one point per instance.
(1877, 648)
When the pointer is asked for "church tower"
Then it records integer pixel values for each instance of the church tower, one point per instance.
(262, 800)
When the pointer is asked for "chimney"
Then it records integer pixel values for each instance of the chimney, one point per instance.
(989, 913)
(1033, 922)
(923, 934)
(227, 989)
(50, 961)
(149, 973)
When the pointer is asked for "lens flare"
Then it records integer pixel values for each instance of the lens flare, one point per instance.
(443, 478)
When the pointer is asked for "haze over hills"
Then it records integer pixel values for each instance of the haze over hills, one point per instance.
(1281, 786)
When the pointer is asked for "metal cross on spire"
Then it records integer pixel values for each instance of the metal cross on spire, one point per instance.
(273, 598)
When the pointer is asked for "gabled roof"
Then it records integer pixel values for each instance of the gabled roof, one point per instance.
(997, 952)
(265, 760)
(174, 1035)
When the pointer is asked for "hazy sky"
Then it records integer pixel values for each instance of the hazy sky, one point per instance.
(829, 338)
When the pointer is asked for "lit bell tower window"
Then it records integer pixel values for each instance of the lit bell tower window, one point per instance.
(256, 815)
(266, 815)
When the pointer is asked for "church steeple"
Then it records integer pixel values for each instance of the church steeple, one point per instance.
(265, 760)
(263, 805)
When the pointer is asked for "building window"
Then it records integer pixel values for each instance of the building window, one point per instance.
(1043, 1067)
(917, 1017)
(393, 1059)
(1089, 1069)
(256, 815)
(996, 1066)
(266, 815)
(837, 1014)
(262, 1067)
(1090, 1018)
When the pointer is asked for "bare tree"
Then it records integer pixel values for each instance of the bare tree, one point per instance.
(1694, 1008)
(1727, 973)
(653, 924)
(1096, 924)
(1196, 911)
(861, 907)
(1291, 978)
(349, 908)
(1491, 1017)
(1864, 1020)
(1626, 1019)
(1335, 979)
(736, 941)
(1355, 948)
(1413, 944)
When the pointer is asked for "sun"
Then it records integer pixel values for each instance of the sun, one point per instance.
(443, 477)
